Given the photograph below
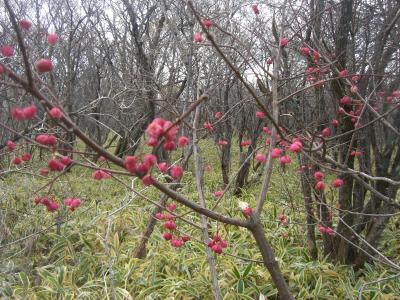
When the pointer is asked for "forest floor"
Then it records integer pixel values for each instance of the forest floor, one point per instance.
(91, 257)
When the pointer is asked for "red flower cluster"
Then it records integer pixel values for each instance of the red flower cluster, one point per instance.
(326, 230)
(56, 165)
(100, 175)
(72, 203)
(217, 244)
(162, 128)
(46, 139)
(24, 113)
(170, 225)
(50, 203)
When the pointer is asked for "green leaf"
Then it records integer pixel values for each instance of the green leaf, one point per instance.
(24, 279)
(240, 286)
(247, 270)
(236, 272)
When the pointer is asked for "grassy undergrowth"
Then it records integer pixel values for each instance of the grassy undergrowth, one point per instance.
(90, 254)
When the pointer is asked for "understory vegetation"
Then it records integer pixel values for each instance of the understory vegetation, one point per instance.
(90, 252)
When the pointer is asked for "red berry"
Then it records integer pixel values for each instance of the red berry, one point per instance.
(260, 114)
(150, 160)
(217, 249)
(44, 65)
(320, 186)
(296, 147)
(25, 24)
(176, 172)
(163, 167)
(167, 236)
(7, 51)
(343, 73)
(10, 145)
(159, 216)
(248, 211)
(66, 160)
(218, 194)
(223, 244)
(285, 160)
(52, 38)
(130, 164)
(276, 152)
(147, 180)
(52, 206)
(337, 183)
(305, 51)
(142, 169)
(170, 225)
(171, 207)
(197, 37)
(169, 146)
(182, 142)
(326, 132)
(284, 42)
(260, 157)
(44, 172)
(319, 176)
(176, 243)
(55, 165)
(55, 113)
(26, 157)
(16, 161)
(207, 23)
(100, 174)
(255, 9)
